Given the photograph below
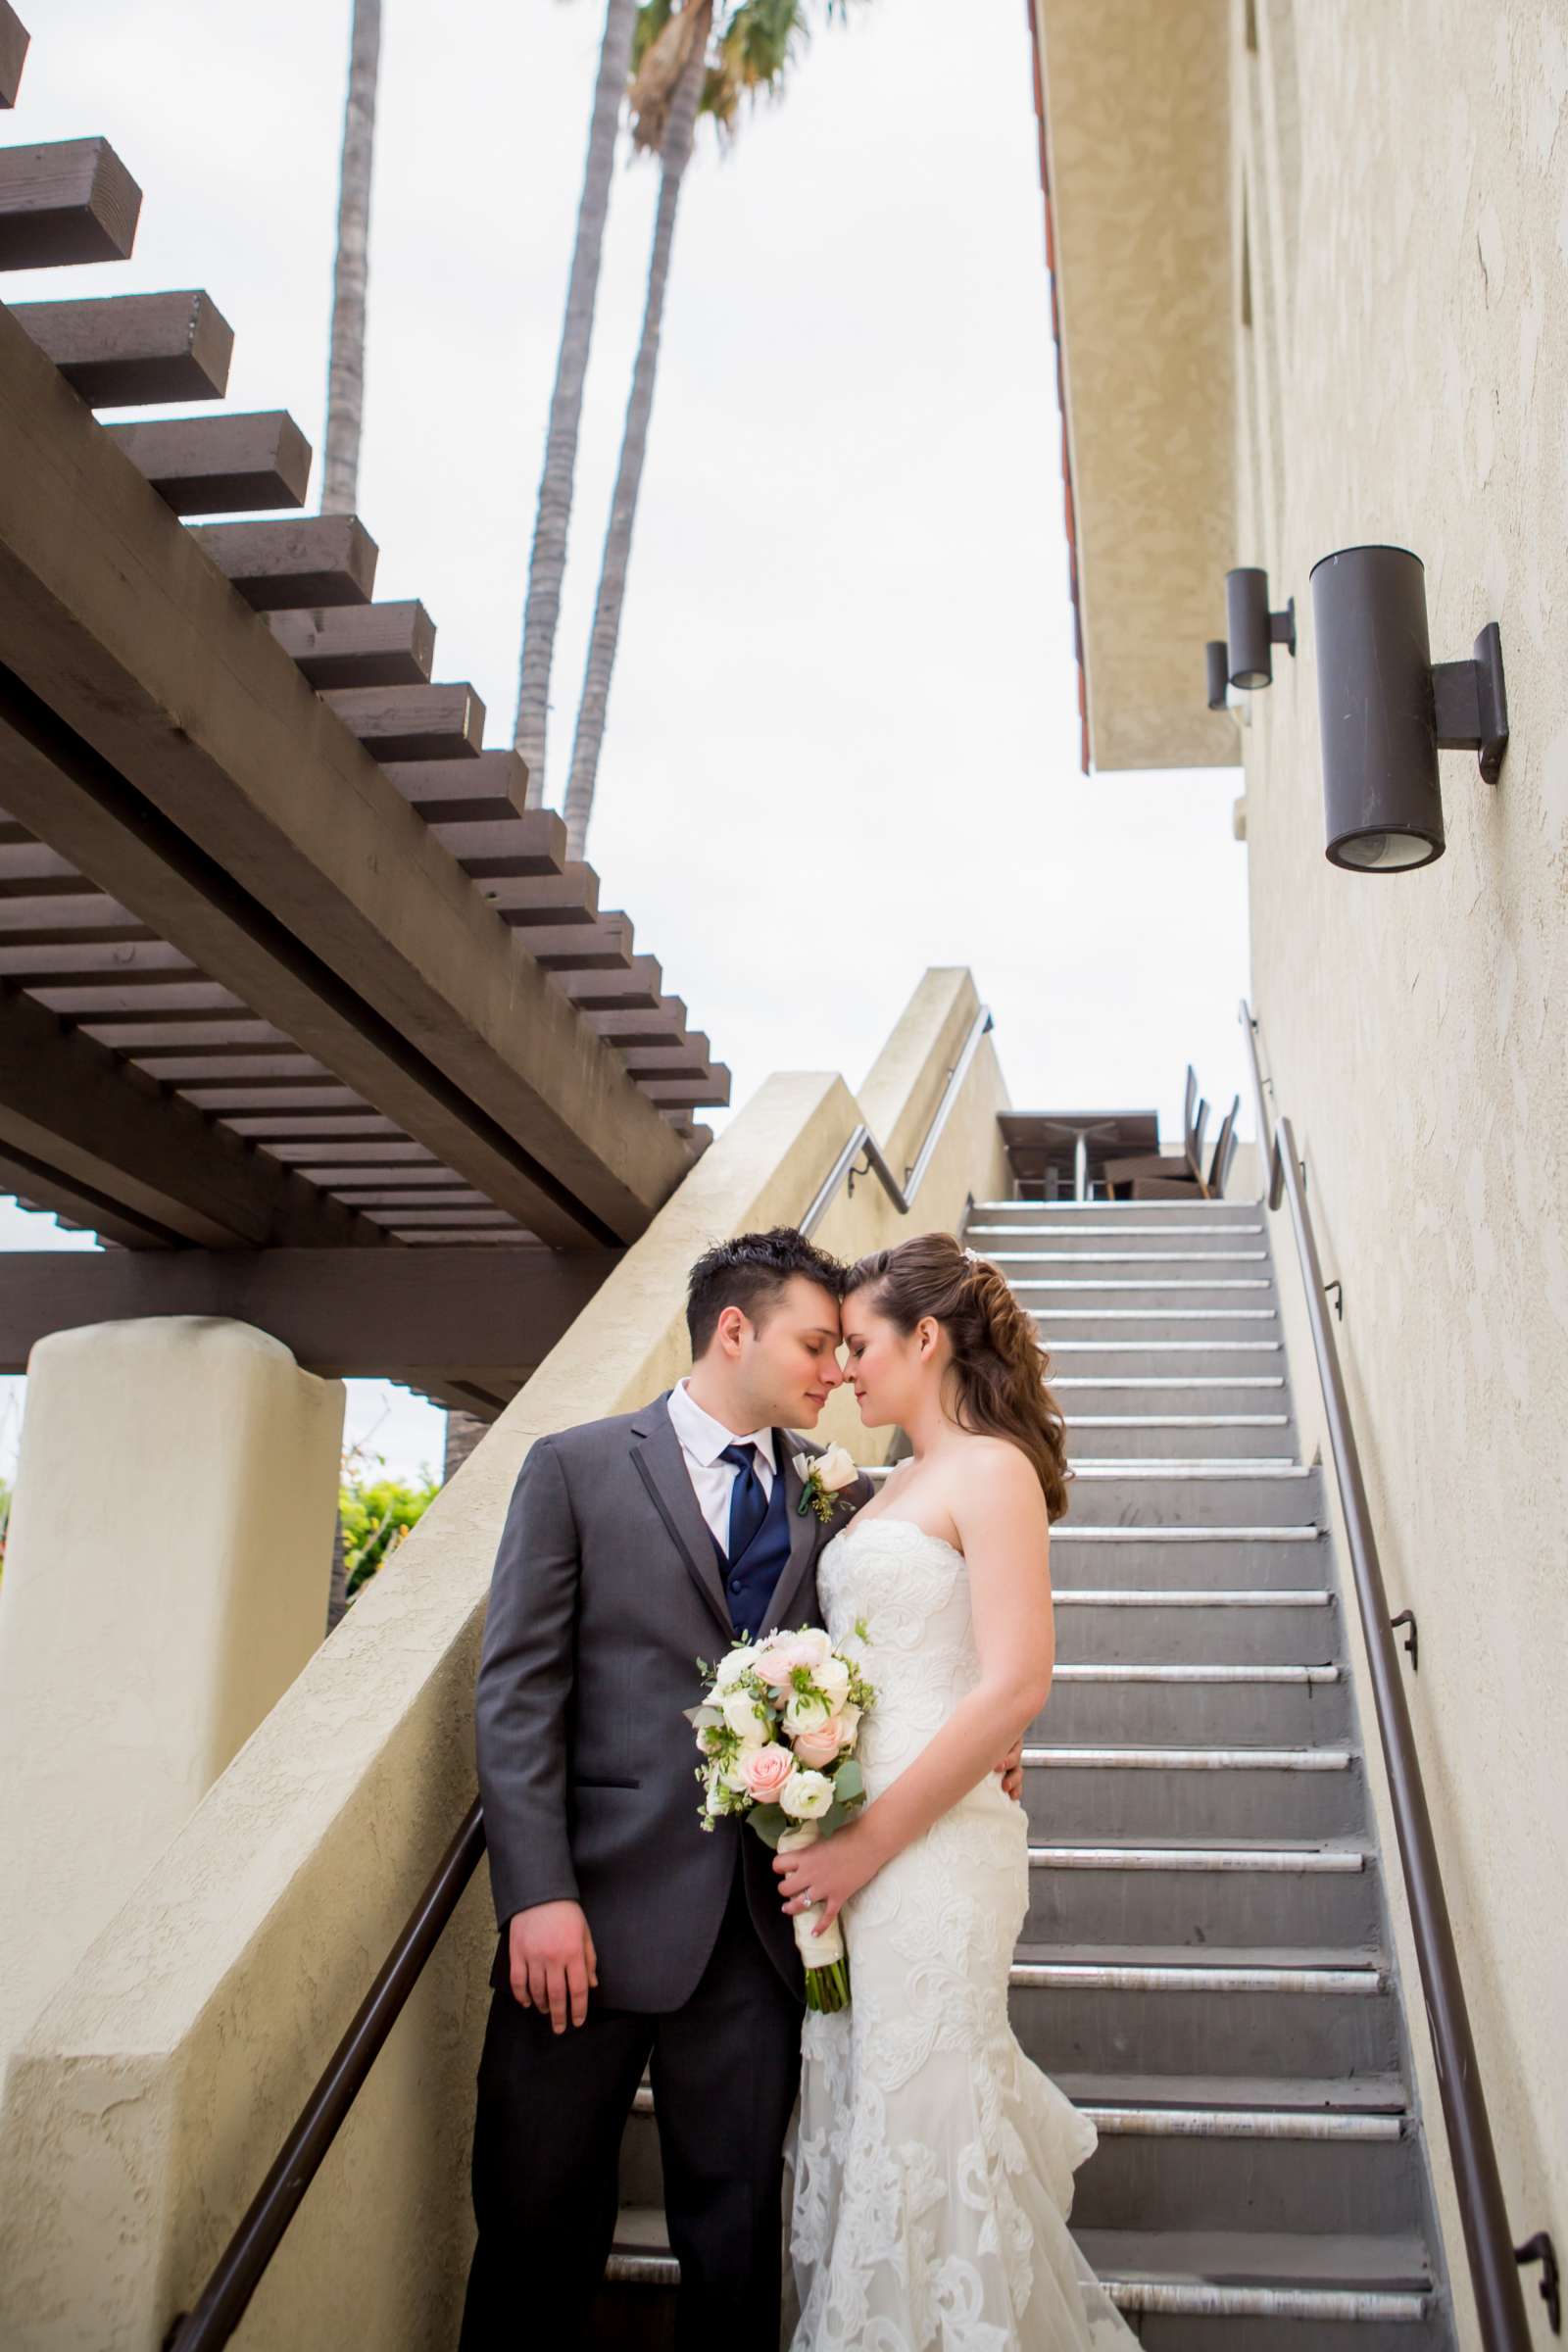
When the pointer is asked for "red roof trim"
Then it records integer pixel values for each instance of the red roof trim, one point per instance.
(1069, 503)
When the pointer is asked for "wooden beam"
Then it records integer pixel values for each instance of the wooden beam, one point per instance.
(685, 1094)
(600, 946)
(664, 1022)
(440, 788)
(193, 752)
(73, 201)
(407, 722)
(77, 1111)
(376, 1314)
(316, 559)
(126, 350)
(689, 1059)
(358, 645)
(530, 901)
(141, 962)
(220, 465)
(13, 52)
(508, 847)
(638, 984)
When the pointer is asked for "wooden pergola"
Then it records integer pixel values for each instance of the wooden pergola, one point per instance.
(302, 1010)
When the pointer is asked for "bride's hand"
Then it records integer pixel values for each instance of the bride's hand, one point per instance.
(828, 1872)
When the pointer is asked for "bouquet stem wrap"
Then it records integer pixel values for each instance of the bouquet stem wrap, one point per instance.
(824, 1957)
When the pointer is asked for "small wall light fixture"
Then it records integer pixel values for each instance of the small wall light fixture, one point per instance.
(1218, 658)
(1386, 709)
(1252, 630)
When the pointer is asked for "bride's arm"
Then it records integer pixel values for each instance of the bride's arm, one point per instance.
(1004, 1532)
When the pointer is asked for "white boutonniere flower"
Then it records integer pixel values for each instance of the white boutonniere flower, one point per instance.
(824, 1478)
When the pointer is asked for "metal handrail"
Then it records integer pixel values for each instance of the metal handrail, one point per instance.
(862, 1140)
(222, 2303)
(1483, 2212)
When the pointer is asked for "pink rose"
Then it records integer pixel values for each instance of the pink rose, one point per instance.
(775, 1662)
(820, 1747)
(764, 1771)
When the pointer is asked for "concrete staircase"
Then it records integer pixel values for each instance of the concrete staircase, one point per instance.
(1206, 1964)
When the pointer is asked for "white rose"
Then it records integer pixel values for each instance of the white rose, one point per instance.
(850, 1718)
(803, 1711)
(731, 1668)
(832, 1679)
(806, 1795)
(733, 1775)
(835, 1469)
(809, 1648)
(739, 1710)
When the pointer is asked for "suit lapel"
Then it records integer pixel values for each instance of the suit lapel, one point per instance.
(803, 1529)
(656, 1453)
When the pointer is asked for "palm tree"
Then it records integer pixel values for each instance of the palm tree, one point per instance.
(547, 561)
(345, 381)
(679, 71)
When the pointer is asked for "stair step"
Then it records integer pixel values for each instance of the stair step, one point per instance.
(1195, 1793)
(1159, 1704)
(1165, 2009)
(1164, 1969)
(1189, 1760)
(1239, 2273)
(1014, 1230)
(1184, 1381)
(1216, 1212)
(1199, 1492)
(1197, 1625)
(1204, 2275)
(1167, 1560)
(1202, 1895)
(1181, 1420)
(1145, 1257)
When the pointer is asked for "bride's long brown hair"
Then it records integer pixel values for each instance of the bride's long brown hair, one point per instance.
(999, 1364)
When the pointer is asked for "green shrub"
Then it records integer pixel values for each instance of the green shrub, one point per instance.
(376, 1515)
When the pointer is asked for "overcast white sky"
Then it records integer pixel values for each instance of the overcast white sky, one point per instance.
(843, 733)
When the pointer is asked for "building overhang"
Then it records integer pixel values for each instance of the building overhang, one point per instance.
(1135, 156)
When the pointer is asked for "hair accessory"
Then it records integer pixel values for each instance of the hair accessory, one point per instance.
(972, 1256)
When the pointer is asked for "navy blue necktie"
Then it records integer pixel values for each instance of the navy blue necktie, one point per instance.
(748, 1503)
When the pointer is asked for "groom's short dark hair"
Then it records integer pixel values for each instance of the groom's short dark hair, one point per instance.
(750, 1272)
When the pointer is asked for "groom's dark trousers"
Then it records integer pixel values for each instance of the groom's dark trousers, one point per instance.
(552, 2107)
(608, 1587)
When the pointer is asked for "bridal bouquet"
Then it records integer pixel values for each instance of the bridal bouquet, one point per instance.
(776, 1728)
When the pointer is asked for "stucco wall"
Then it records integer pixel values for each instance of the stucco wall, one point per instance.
(153, 2091)
(1403, 168)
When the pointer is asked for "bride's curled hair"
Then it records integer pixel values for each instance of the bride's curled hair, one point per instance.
(999, 1366)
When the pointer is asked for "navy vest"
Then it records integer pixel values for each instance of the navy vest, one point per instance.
(750, 1581)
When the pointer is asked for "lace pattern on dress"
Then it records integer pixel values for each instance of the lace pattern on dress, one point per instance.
(933, 2161)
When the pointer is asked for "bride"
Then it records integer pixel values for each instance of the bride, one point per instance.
(934, 2162)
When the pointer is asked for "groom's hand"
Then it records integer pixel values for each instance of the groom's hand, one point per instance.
(553, 1963)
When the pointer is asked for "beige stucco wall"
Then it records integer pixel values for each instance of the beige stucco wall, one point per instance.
(154, 2090)
(1406, 378)
(1135, 112)
(164, 1585)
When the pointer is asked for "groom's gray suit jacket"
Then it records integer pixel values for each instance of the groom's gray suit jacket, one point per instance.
(607, 1589)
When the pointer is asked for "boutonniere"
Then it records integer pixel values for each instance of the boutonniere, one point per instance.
(824, 1478)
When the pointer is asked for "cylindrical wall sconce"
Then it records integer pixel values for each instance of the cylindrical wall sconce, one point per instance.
(1219, 665)
(1385, 710)
(1252, 630)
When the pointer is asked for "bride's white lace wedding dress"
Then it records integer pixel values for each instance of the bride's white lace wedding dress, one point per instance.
(933, 2161)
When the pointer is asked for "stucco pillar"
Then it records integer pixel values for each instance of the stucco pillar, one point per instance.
(164, 1581)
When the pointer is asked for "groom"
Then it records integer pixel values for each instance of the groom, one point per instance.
(629, 1938)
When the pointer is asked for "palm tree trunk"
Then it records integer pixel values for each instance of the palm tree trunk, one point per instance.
(345, 381)
(547, 562)
(675, 156)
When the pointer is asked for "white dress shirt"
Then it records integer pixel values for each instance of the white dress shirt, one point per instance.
(701, 1441)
